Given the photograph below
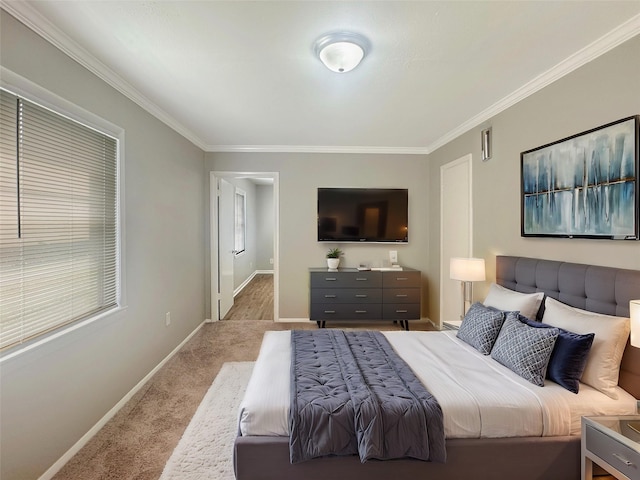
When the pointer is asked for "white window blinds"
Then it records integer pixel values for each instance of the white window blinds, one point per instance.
(58, 221)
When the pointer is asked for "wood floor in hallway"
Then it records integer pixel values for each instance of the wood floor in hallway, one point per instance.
(255, 301)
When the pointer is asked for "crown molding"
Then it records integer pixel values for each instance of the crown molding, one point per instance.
(40, 25)
(26, 14)
(607, 42)
(315, 149)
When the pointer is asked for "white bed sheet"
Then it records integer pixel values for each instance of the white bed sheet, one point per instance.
(479, 397)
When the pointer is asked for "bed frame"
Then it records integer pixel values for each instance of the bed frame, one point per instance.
(598, 289)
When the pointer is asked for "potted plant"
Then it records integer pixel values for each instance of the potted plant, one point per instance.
(333, 258)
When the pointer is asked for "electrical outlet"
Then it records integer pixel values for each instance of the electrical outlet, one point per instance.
(271, 261)
(167, 319)
(393, 257)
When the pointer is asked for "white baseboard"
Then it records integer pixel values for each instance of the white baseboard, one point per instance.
(55, 468)
(293, 320)
(246, 282)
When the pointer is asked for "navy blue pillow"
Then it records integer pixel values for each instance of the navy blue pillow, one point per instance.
(569, 355)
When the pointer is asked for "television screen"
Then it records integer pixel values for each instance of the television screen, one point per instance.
(363, 215)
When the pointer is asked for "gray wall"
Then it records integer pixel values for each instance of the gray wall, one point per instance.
(265, 221)
(602, 91)
(73, 381)
(54, 394)
(299, 177)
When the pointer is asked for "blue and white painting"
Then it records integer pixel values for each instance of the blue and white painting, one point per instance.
(583, 186)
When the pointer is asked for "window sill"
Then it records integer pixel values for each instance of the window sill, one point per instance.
(29, 345)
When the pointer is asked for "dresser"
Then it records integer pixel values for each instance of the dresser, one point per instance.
(348, 294)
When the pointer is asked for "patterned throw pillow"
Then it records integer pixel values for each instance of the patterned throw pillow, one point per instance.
(523, 349)
(480, 327)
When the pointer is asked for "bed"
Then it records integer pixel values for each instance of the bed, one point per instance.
(265, 454)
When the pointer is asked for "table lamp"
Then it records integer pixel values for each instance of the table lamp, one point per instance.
(467, 270)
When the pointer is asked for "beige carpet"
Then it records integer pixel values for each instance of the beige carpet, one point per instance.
(137, 442)
(205, 450)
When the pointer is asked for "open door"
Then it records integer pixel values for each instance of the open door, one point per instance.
(226, 233)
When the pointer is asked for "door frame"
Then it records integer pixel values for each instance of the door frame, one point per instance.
(444, 268)
(213, 234)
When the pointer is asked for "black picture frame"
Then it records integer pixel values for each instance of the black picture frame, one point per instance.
(584, 186)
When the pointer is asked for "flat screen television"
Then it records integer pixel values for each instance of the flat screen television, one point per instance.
(378, 215)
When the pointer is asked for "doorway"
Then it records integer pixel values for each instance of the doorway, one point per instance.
(260, 257)
(456, 233)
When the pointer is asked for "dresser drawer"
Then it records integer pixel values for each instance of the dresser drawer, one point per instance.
(613, 452)
(346, 295)
(346, 311)
(401, 279)
(401, 311)
(346, 280)
(401, 295)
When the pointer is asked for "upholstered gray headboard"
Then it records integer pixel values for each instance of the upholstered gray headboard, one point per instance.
(597, 289)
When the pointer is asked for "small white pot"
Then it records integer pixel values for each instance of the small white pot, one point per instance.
(333, 263)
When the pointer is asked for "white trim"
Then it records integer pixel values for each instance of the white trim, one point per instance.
(26, 14)
(244, 284)
(55, 468)
(33, 92)
(251, 277)
(468, 158)
(19, 349)
(607, 42)
(317, 149)
(294, 320)
(213, 234)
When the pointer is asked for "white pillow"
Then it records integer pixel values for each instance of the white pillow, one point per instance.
(502, 298)
(611, 334)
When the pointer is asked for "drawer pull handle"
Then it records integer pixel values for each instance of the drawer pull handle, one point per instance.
(330, 279)
(329, 311)
(361, 311)
(362, 296)
(329, 296)
(401, 311)
(361, 279)
(401, 278)
(401, 295)
(623, 460)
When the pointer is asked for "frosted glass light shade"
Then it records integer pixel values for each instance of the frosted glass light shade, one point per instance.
(467, 269)
(634, 310)
(341, 52)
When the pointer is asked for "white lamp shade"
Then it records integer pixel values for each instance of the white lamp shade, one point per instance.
(634, 311)
(467, 269)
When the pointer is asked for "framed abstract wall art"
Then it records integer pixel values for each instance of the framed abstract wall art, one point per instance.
(584, 186)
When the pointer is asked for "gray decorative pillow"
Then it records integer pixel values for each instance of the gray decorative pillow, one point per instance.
(523, 349)
(480, 327)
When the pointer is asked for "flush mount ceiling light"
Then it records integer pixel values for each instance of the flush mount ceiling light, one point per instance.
(341, 52)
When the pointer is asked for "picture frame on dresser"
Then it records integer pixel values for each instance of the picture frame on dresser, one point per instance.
(584, 186)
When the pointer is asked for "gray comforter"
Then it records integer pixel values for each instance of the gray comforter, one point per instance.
(352, 394)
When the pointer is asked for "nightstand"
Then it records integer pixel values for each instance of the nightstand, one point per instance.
(613, 442)
(451, 324)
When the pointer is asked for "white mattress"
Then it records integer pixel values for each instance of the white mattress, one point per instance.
(479, 397)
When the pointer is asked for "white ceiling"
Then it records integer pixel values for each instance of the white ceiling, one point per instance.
(242, 76)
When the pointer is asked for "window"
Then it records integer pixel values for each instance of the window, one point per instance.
(240, 221)
(58, 221)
